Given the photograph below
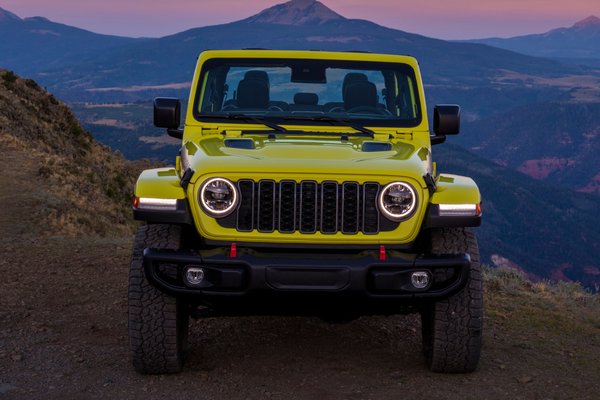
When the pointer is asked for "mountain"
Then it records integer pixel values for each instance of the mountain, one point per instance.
(298, 12)
(142, 69)
(35, 44)
(69, 183)
(580, 42)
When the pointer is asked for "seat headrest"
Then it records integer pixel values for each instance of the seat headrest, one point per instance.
(351, 78)
(310, 99)
(253, 93)
(354, 77)
(359, 94)
(257, 74)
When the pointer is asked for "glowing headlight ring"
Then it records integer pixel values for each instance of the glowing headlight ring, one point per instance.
(219, 213)
(386, 212)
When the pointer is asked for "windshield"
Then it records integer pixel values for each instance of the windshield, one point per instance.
(290, 91)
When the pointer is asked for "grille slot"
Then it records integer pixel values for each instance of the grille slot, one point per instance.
(329, 207)
(245, 213)
(287, 206)
(308, 207)
(350, 207)
(370, 213)
(266, 206)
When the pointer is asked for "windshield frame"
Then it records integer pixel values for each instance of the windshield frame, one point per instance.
(258, 62)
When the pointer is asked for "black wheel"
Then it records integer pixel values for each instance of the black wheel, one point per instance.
(452, 328)
(158, 323)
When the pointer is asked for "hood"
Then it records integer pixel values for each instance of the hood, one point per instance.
(291, 155)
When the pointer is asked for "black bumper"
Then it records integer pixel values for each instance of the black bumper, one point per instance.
(305, 275)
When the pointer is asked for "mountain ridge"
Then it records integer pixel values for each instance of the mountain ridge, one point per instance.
(591, 21)
(144, 62)
(579, 42)
(31, 45)
(6, 15)
(147, 63)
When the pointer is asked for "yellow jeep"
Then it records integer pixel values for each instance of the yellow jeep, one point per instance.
(305, 186)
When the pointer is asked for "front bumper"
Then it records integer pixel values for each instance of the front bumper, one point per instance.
(305, 276)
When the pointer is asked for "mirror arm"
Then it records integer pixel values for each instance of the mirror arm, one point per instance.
(437, 139)
(176, 133)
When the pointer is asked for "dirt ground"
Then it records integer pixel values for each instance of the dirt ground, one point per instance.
(63, 335)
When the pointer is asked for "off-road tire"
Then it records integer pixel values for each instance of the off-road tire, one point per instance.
(158, 323)
(452, 328)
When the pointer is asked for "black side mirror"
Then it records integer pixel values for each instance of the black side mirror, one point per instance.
(167, 114)
(446, 121)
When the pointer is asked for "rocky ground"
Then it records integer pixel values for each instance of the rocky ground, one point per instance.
(63, 333)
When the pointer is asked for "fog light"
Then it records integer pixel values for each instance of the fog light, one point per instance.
(420, 279)
(194, 276)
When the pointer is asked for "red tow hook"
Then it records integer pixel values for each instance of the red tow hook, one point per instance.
(233, 250)
(382, 254)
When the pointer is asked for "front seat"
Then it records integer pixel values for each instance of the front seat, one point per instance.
(253, 91)
(349, 79)
(361, 96)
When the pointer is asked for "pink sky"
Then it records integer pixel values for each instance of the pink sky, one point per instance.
(447, 19)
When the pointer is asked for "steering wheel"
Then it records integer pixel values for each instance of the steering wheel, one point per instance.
(230, 107)
(275, 108)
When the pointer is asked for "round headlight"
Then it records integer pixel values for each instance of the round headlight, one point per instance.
(397, 201)
(218, 197)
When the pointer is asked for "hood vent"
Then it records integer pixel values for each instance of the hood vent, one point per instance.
(376, 146)
(247, 144)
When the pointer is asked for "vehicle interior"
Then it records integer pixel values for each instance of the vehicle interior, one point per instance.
(284, 89)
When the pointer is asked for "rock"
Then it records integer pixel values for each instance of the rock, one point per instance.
(525, 379)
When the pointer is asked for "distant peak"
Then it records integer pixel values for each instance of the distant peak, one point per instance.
(296, 12)
(38, 19)
(591, 21)
(8, 16)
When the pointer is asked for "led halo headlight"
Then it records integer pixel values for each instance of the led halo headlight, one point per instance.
(218, 197)
(397, 200)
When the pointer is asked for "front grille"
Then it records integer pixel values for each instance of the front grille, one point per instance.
(308, 207)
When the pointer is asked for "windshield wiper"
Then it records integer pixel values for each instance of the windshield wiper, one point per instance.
(331, 120)
(280, 129)
(248, 118)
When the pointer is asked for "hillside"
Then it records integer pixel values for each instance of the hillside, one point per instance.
(544, 230)
(68, 183)
(558, 143)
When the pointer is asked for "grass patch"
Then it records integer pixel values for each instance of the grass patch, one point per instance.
(562, 308)
(9, 77)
